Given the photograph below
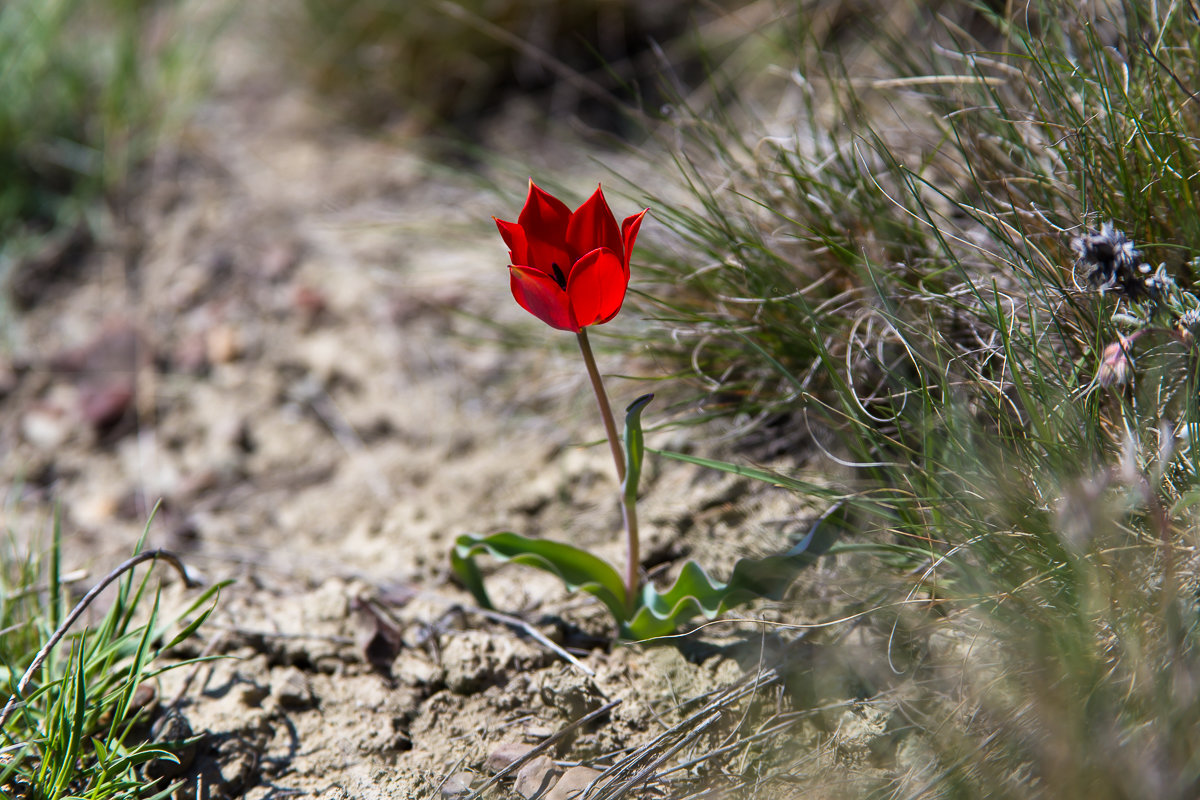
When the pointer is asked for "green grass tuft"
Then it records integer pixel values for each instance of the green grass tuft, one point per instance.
(77, 729)
(874, 248)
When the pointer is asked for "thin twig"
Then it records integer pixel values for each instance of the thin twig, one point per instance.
(80, 607)
(517, 622)
(452, 770)
(74, 576)
(534, 633)
(1178, 82)
(790, 720)
(648, 771)
(602, 710)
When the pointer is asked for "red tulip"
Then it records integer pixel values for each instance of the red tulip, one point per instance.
(570, 270)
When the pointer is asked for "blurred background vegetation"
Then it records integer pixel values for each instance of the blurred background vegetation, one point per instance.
(438, 62)
(88, 90)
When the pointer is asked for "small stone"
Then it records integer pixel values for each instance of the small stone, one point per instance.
(572, 783)
(46, 427)
(250, 695)
(223, 344)
(458, 785)
(414, 669)
(172, 732)
(572, 694)
(329, 602)
(144, 696)
(536, 776)
(309, 302)
(280, 259)
(97, 510)
(291, 689)
(104, 403)
(506, 754)
(190, 356)
(474, 659)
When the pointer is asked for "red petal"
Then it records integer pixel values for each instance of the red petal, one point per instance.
(597, 287)
(541, 296)
(544, 217)
(544, 257)
(514, 237)
(593, 225)
(629, 232)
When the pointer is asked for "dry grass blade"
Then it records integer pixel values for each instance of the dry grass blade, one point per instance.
(648, 772)
(541, 748)
(534, 634)
(639, 765)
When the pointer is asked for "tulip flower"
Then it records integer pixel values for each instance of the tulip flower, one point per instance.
(569, 269)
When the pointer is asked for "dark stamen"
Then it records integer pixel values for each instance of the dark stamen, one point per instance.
(559, 278)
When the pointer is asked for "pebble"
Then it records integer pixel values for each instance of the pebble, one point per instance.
(536, 776)
(45, 427)
(291, 689)
(172, 731)
(572, 694)
(103, 403)
(572, 783)
(506, 754)
(413, 669)
(458, 785)
(222, 344)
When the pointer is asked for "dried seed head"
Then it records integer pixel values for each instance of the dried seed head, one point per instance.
(1188, 325)
(1116, 362)
(1112, 262)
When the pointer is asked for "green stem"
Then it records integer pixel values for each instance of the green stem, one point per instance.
(628, 507)
(632, 556)
(610, 426)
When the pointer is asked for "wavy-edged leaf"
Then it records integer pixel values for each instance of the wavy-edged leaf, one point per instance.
(577, 568)
(694, 592)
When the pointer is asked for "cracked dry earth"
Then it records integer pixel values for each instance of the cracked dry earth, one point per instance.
(296, 342)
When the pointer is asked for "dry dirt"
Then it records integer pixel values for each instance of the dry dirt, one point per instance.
(301, 341)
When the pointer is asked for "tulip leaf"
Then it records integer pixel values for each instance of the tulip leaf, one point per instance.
(635, 447)
(658, 613)
(694, 592)
(577, 568)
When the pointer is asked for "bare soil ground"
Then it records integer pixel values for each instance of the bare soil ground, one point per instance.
(293, 344)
